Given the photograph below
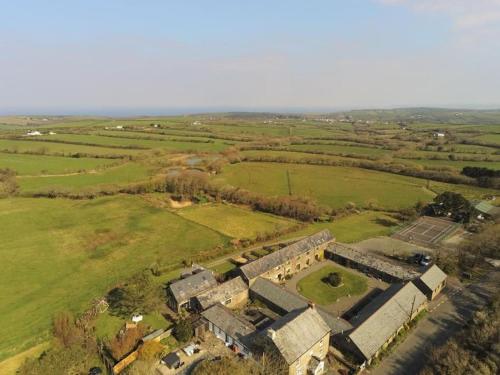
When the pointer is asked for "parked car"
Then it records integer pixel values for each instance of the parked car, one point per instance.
(422, 259)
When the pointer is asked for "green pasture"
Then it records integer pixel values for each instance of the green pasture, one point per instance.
(452, 164)
(315, 289)
(489, 138)
(331, 186)
(44, 164)
(104, 141)
(23, 146)
(234, 221)
(59, 254)
(352, 228)
(342, 149)
(114, 176)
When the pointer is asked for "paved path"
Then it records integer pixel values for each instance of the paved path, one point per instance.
(447, 314)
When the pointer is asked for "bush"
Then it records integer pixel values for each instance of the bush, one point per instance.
(334, 279)
(183, 330)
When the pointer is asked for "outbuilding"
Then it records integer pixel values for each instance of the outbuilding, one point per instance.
(431, 282)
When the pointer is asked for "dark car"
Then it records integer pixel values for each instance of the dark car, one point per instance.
(95, 371)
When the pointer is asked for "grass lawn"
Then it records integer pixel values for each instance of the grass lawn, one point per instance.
(224, 267)
(11, 365)
(116, 176)
(107, 325)
(332, 186)
(59, 254)
(38, 164)
(313, 288)
(353, 228)
(234, 221)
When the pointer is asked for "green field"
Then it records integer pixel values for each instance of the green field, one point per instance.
(233, 221)
(137, 142)
(315, 289)
(43, 164)
(332, 186)
(62, 148)
(114, 176)
(352, 228)
(342, 149)
(59, 254)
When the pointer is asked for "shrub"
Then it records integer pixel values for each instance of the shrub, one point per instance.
(183, 330)
(334, 279)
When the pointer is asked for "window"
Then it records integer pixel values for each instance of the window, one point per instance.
(298, 369)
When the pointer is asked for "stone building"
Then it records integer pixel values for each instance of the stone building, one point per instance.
(431, 282)
(302, 338)
(288, 260)
(232, 294)
(182, 293)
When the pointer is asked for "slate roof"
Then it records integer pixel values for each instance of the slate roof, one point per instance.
(279, 257)
(380, 319)
(297, 332)
(433, 277)
(370, 261)
(483, 206)
(288, 302)
(232, 324)
(222, 292)
(193, 285)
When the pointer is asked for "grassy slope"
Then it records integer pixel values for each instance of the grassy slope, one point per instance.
(122, 174)
(36, 164)
(312, 287)
(353, 228)
(234, 221)
(59, 254)
(332, 186)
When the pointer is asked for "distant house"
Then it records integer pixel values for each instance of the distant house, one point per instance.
(288, 260)
(181, 293)
(302, 338)
(230, 328)
(378, 323)
(232, 294)
(431, 282)
(438, 135)
(118, 127)
(31, 133)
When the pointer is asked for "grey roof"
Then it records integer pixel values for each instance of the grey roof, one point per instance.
(268, 262)
(370, 261)
(222, 292)
(297, 332)
(433, 277)
(484, 207)
(288, 302)
(193, 285)
(232, 324)
(380, 319)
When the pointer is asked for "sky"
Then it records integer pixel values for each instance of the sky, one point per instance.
(161, 56)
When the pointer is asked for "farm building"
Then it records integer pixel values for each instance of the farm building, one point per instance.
(302, 338)
(484, 210)
(181, 293)
(282, 302)
(431, 282)
(288, 260)
(377, 324)
(230, 328)
(232, 294)
(369, 264)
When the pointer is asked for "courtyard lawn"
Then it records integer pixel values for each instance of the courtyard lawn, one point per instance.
(314, 288)
(352, 228)
(59, 254)
(223, 267)
(234, 221)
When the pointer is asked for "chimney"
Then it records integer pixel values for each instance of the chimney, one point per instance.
(311, 305)
(271, 333)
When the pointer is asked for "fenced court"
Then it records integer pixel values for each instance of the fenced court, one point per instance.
(427, 231)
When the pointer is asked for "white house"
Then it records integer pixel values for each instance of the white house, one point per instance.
(33, 132)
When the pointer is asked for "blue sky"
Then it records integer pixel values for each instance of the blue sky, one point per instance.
(122, 55)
